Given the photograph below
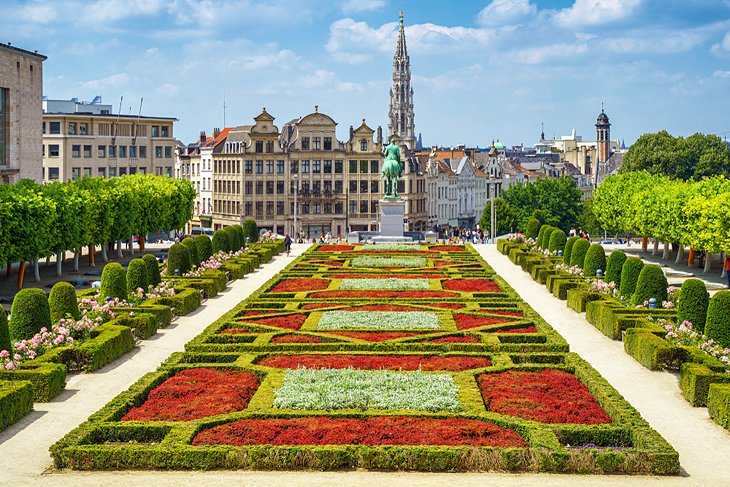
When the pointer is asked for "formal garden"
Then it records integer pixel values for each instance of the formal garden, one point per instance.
(376, 357)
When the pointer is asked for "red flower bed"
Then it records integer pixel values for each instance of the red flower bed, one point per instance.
(331, 263)
(292, 322)
(549, 396)
(292, 338)
(524, 329)
(447, 305)
(456, 339)
(382, 294)
(375, 362)
(300, 284)
(449, 248)
(262, 312)
(334, 248)
(464, 321)
(317, 305)
(388, 276)
(372, 431)
(393, 252)
(442, 263)
(472, 285)
(197, 393)
(506, 313)
(238, 330)
(373, 336)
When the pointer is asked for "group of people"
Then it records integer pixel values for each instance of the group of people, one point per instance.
(458, 235)
(579, 233)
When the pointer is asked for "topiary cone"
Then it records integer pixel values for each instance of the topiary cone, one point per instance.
(204, 246)
(30, 312)
(717, 326)
(652, 283)
(693, 303)
(595, 259)
(578, 252)
(63, 302)
(630, 275)
(137, 276)
(192, 247)
(113, 281)
(5, 343)
(568, 249)
(557, 241)
(153, 269)
(613, 266)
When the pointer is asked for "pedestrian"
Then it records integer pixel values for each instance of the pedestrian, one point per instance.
(572, 232)
(287, 244)
(727, 270)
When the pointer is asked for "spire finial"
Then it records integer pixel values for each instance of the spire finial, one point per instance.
(602, 107)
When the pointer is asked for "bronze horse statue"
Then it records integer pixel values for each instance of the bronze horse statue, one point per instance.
(392, 170)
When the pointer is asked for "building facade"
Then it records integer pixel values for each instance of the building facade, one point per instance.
(87, 140)
(21, 92)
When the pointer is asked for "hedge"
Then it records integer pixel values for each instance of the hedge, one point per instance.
(182, 302)
(578, 252)
(234, 237)
(649, 350)
(533, 228)
(546, 236)
(717, 326)
(540, 234)
(611, 317)
(48, 378)
(568, 250)
(250, 231)
(630, 275)
(192, 247)
(652, 283)
(113, 281)
(137, 275)
(178, 259)
(106, 343)
(613, 267)
(221, 242)
(718, 404)
(16, 401)
(5, 343)
(695, 380)
(153, 269)
(693, 302)
(29, 313)
(204, 247)
(557, 241)
(595, 259)
(62, 302)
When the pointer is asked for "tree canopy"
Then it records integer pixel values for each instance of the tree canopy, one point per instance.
(553, 201)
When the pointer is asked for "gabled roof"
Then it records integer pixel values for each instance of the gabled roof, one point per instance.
(210, 142)
(445, 168)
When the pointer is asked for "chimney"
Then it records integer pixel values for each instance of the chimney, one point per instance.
(216, 132)
(202, 136)
(352, 132)
(380, 134)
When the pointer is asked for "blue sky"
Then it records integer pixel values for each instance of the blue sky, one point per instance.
(482, 70)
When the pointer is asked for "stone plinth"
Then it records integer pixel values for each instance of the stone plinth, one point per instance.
(391, 217)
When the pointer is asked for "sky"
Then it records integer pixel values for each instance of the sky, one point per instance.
(482, 70)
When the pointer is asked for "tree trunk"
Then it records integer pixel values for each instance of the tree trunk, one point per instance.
(77, 254)
(665, 254)
(141, 243)
(10, 268)
(680, 254)
(708, 262)
(691, 258)
(130, 246)
(92, 251)
(21, 274)
(644, 243)
(722, 259)
(36, 271)
(104, 255)
(119, 250)
(656, 247)
(48, 261)
(59, 264)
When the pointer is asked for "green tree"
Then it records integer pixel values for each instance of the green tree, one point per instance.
(62, 302)
(693, 302)
(221, 242)
(578, 252)
(613, 266)
(178, 259)
(137, 275)
(595, 259)
(29, 313)
(652, 283)
(5, 343)
(506, 220)
(113, 281)
(589, 221)
(533, 227)
(204, 247)
(250, 230)
(189, 242)
(557, 240)
(569, 248)
(717, 326)
(153, 269)
(555, 201)
(630, 275)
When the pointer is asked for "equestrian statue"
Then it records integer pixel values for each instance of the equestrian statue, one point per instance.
(393, 168)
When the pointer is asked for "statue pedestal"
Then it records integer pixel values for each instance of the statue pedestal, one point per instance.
(391, 217)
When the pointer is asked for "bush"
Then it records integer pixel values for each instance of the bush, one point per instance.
(546, 236)
(114, 281)
(234, 237)
(5, 343)
(652, 283)
(137, 275)
(250, 230)
(717, 326)
(221, 242)
(189, 242)
(540, 233)
(533, 227)
(557, 240)
(578, 252)
(568, 249)
(595, 259)
(241, 234)
(16, 401)
(693, 302)
(62, 302)
(153, 270)
(630, 275)
(204, 247)
(178, 258)
(30, 312)
(613, 266)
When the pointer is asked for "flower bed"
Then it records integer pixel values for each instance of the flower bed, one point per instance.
(372, 431)
(378, 320)
(291, 338)
(372, 336)
(465, 321)
(453, 363)
(384, 295)
(387, 276)
(197, 393)
(548, 396)
(334, 248)
(390, 248)
(448, 248)
(472, 286)
(300, 284)
(391, 284)
(292, 321)
(385, 262)
(456, 339)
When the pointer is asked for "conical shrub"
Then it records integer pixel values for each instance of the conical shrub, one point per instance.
(63, 302)
(630, 275)
(652, 283)
(153, 269)
(546, 237)
(113, 281)
(234, 237)
(5, 343)
(189, 242)
(137, 276)
(178, 259)
(568, 249)
(693, 303)
(533, 227)
(595, 259)
(250, 230)
(221, 242)
(557, 240)
(717, 326)
(578, 252)
(29, 313)
(613, 266)
(204, 247)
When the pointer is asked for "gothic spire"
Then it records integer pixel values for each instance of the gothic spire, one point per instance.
(400, 115)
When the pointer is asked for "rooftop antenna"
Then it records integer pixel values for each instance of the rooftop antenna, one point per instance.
(139, 114)
(119, 114)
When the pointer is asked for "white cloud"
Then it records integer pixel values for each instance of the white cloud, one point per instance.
(654, 42)
(40, 13)
(506, 12)
(721, 74)
(539, 55)
(113, 81)
(595, 12)
(111, 10)
(723, 47)
(356, 6)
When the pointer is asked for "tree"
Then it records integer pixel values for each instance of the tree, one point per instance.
(553, 201)
(595, 259)
(506, 220)
(62, 302)
(693, 302)
(533, 227)
(250, 231)
(588, 219)
(29, 313)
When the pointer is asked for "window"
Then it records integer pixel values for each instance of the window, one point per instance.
(122, 171)
(168, 151)
(55, 127)
(316, 187)
(280, 187)
(328, 187)
(72, 128)
(83, 129)
(279, 167)
(269, 187)
(270, 146)
(53, 150)
(269, 167)
(363, 145)
(53, 173)
(305, 143)
(259, 146)
(87, 171)
(75, 151)
(305, 167)
(259, 167)
(338, 166)
(305, 208)
(353, 207)
(259, 208)
(87, 151)
(122, 151)
(75, 172)
(112, 172)
(374, 206)
(364, 187)
(316, 167)
(363, 167)
(328, 208)
(374, 187)
(328, 167)
(374, 166)
(165, 131)
(338, 187)
(328, 143)
(317, 142)
(248, 167)
(248, 208)
(101, 172)
(294, 167)
(132, 151)
(158, 151)
(317, 208)
(338, 207)
(259, 187)
(353, 167)
(143, 152)
(269, 208)
(101, 151)
(248, 185)
(364, 206)
(279, 207)
(353, 186)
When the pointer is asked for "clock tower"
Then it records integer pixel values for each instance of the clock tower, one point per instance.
(400, 114)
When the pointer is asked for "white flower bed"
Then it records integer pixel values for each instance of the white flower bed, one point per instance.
(378, 320)
(367, 261)
(331, 389)
(388, 284)
(392, 247)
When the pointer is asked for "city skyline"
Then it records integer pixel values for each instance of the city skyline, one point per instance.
(481, 70)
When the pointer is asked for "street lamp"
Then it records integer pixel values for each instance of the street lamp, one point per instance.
(296, 190)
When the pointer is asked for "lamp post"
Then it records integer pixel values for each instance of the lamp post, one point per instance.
(296, 191)
(347, 209)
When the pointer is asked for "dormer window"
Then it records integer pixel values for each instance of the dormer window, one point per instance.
(363, 145)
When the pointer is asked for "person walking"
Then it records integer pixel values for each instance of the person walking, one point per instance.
(287, 244)
(727, 270)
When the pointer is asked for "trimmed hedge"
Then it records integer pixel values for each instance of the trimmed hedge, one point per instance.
(630, 275)
(250, 230)
(204, 247)
(579, 297)
(182, 302)
(613, 267)
(693, 303)
(717, 326)
(540, 234)
(62, 302)
(113, 281)
(221, 242)
(557, 240)
(695, 380)
(649, 350)
(568, 250)
(16, 401)
(652, 283)
(533, 228)
(48, 378)
(137, 275)
(546, 236)
(611, 317)
(107, 343)
(29, 313)
(234, 237)
(192, 247)
(595, 259)
(153, 269)
(5, 343)
(578, 252)
(178, 259)
(718, 404)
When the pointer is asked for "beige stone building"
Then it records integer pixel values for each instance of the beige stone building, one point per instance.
(85, 139)
(21, 91)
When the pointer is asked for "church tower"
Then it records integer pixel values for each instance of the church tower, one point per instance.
(400, 114)
(603, 138)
